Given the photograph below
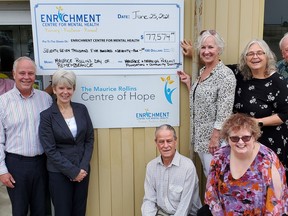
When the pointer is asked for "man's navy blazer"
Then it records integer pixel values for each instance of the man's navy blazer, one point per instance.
(65, 153)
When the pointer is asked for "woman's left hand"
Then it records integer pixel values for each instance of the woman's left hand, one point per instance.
(82, 174)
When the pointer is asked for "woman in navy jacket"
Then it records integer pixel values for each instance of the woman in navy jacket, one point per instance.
(67, 136)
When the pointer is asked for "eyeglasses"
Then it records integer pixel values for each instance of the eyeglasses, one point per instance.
(252, 54)
(237, 138)
(212, 32)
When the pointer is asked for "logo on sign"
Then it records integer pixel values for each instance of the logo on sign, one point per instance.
(147, 115)
(67, 19)
(168, 92)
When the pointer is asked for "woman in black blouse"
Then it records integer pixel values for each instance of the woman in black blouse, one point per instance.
(263, 94)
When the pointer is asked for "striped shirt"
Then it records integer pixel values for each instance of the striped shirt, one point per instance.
(19, 122)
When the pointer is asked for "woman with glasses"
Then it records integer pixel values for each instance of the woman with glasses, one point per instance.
(246, 177)
(211, 96)
(263, 94)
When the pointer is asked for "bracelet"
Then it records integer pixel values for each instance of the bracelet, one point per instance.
(260, 124)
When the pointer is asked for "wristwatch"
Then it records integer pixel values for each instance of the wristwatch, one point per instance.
(260, 124)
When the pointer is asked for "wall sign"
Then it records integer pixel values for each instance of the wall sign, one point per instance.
(125, 55)
(130, 101)
(108, 37)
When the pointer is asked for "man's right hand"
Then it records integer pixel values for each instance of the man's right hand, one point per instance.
(8, 180)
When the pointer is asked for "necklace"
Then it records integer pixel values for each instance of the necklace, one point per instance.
(67, 112)
(63, 110)
(68, 121)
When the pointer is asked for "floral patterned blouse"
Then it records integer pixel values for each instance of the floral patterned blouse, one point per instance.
(251, 194)
(211, 103)
(261, 98)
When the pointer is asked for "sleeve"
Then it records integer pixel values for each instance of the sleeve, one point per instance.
(233, 67)
(211, 194)
(149, 205)
(48, 142)
(225, 99)
(286, 199)
(275, 206)
(3, 168)
(88, 142)
(281, 99)
(190, 200)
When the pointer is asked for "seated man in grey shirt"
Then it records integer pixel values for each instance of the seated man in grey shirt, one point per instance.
(171, 182)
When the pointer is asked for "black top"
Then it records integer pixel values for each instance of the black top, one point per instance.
(261, 98)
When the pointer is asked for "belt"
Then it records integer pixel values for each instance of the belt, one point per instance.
(26, 158)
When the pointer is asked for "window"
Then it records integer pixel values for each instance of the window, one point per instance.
(275, 24)
(19, 37)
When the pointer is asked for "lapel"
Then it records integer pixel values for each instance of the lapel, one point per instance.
(57, 116)
(78, 117)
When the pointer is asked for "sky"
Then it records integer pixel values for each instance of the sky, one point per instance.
(276, 11)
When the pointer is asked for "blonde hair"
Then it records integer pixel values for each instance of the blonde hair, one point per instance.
(207, 33)
(67, 78)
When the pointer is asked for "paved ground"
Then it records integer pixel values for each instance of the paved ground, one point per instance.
(5, 205)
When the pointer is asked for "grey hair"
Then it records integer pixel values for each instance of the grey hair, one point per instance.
(62, 77)
(207, 33)
(165, 127)
(271, 59)
(15, 64)
(282, 40)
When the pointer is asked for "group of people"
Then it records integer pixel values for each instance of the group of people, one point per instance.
(239, 130)
(244, 155)
(41, 139)
(253, 87)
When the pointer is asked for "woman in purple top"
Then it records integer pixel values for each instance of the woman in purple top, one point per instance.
(246, 177)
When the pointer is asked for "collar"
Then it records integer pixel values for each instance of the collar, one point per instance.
(217, 66)
(282, 63)
(16, 90)
(175, 161)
